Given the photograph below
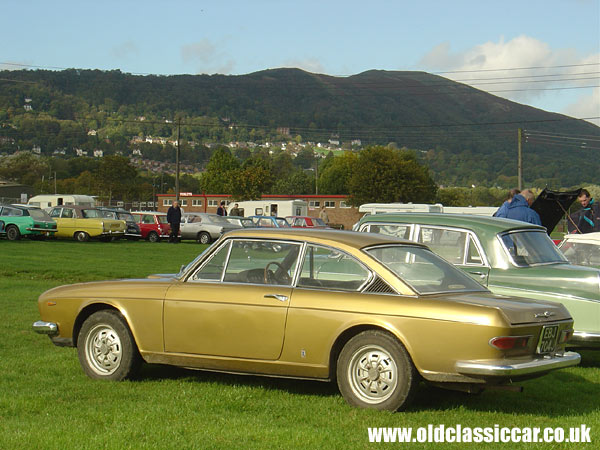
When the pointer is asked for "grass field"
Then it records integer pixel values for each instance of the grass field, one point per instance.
(47, 402)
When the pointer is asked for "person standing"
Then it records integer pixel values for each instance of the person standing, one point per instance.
(323, 215)
(520, 208)
(235, 211)
(501, 212)
(221, 211)
(174, 219)
(587, 219)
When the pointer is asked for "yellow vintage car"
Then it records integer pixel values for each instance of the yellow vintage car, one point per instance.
(83, 222)
(376, 313)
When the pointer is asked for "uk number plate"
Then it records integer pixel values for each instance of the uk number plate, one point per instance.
(548, 338)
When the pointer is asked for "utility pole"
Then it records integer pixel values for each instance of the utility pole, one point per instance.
(520, 159)
(177, 161)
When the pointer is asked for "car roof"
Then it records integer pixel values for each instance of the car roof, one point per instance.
(347, 238)
(476, 223)
(149, 212)
(586, 238)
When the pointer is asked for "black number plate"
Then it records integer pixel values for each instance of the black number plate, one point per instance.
(548, 337)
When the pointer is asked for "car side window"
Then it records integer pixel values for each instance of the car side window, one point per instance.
(147, 218)
(262, 262)
(55, 212)
(449, 244)
(401, 231)
(473, 254)
(326, 268)
(67, 213)
(213, 269)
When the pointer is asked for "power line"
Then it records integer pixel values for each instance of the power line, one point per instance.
(519, 68)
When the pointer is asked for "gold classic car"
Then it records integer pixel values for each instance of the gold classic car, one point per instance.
(376, 313)
(82, 223)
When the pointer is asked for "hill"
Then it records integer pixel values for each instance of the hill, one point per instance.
(465, 135)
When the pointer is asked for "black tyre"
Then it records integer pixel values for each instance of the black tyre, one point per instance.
(375, 371)
(81, 236)
(203, 238)
(153, 236)
(106, 347)
(13, 233)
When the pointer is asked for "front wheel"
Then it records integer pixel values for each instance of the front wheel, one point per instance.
(375, 371)
(106, 347)
(13, 233)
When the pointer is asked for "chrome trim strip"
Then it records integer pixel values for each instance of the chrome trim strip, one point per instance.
(585, 338)
(49, 328)
(516, 367)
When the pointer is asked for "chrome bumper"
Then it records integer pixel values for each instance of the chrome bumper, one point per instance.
(516, 367)
(45, 230)
(49, 328)
(583, 339)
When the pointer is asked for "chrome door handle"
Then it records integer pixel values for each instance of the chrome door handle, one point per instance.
(281, 298)
(480, 274)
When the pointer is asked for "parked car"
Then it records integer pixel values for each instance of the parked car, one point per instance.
(244, 222)
(17, 221)
(204, 228)
(509, 257)
(133, 230)
(373, 312)
(305, 222)
(82, 223)
(269, 222)
(153, 225)
(582, 249)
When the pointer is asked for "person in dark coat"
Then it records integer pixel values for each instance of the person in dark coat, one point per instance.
(519, 209)
(174, 219)
(501, 212)
(221, 211)
(587, 219)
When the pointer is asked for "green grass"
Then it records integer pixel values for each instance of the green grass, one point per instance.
(47, 402)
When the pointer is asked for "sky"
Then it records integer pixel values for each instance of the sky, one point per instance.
(541, 53)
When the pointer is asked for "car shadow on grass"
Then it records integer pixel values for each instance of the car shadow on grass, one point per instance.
(294, 386)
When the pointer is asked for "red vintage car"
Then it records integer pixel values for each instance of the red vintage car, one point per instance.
(153, 225)
(305, 222)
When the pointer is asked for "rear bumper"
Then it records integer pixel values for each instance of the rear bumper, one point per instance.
(42, 230)
(517, 367)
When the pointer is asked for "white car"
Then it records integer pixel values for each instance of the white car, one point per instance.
(582, 249)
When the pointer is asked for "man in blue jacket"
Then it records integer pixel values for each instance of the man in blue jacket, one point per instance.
(519, 208)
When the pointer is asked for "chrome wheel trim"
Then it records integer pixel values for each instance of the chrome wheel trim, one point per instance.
(103, 349)
(372, 374)
(204, 238)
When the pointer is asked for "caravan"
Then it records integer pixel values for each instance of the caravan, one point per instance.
(277, 208)
(50, 200)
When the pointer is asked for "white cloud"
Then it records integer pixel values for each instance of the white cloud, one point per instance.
(523, 69)
(206, 57)
(586, 106)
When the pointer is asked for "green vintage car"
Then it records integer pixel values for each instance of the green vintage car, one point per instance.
(509, 257)
(17, 221)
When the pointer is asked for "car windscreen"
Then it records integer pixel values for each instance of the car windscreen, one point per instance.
(529, 248)
(282, 222)
(125, 216)
(424, 271)
(39, 214)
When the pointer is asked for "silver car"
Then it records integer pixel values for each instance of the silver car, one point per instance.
(203, 227)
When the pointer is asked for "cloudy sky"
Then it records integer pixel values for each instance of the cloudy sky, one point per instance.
(542, 53)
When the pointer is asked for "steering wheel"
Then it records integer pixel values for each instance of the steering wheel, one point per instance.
(279, 275)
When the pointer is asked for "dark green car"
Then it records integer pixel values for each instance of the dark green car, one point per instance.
(509, 257)
(17, 221)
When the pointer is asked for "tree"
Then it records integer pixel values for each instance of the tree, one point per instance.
(220, 169)
(24, 167)
(335, 173)
(384, 175)
(116, 176)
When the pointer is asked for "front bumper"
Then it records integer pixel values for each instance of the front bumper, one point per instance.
(49, 328)
(584, 339)
(517, 367)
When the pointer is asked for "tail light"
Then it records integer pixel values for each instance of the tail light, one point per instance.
(565, 335)
(509, 342)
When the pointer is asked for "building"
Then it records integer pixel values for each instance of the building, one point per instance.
(339, 212)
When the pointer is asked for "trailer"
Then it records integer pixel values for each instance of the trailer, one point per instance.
(380, 208)
(51, 200)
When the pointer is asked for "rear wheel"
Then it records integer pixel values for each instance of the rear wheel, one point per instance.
(106, 347)
(375, 371)
(203, 238)
(81, 236)
(13, 233)
(153, 236)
